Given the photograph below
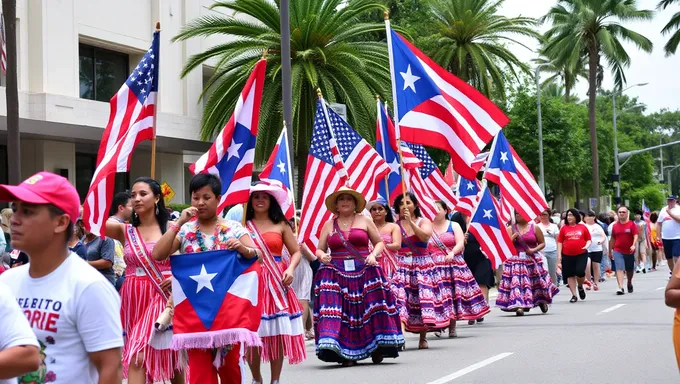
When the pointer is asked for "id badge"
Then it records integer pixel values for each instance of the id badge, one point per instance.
(408, 260)
(522, 254)
(349, 265)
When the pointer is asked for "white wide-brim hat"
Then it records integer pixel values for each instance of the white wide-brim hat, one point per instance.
(276, 190)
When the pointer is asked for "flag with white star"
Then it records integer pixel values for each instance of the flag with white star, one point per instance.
(490, 231)
(515, 181)
(216, 296)
(437, 109)
(278, 168)
(469, 192)
(233, 152)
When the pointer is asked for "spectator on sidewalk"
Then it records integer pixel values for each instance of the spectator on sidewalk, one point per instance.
(121, 211)
(19, 353)
(100, 254)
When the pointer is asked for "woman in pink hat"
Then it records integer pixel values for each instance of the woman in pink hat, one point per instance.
(281, 327)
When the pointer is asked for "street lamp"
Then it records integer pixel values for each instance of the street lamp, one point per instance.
(672, 168)
(616, 143)
(541, 175)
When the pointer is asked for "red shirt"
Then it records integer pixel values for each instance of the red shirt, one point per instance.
(573, 239)
(623, 236)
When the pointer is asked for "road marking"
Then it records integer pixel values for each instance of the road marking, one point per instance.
(617, 306)
(471, 368)
(660, 288)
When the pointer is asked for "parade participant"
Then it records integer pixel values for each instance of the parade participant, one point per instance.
(622, 245)
(642, 246)
(145, 292)
(390, 233)
(418, 283)
(281, 328)
(572, 253)
(100, 254)
(595, 251)
(668, 231)
(354, 311)
(75, 245)
(550, 232)
(74, 311)
(448, 240)
(657, 245)
(525, 283)
(19, 349)
(479, 264)
(190, 234)
(121, 211)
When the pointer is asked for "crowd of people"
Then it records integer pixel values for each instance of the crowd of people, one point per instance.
(87, 307)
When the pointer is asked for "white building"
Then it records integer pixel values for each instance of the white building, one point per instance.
(73, 55)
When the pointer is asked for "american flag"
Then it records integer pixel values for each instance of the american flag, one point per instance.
(646, 212)
(434, 180)
(3, 44)
(468, 195)
(437, 109)
(490, 231)
(516, 183)
(418, 186)
(278, 169)
(233, 152)
(357, 159)
(131, 121)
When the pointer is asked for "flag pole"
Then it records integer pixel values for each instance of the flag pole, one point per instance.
(330, 129)
(397, 131)
(155, 112)
(290, 178)
(384, 149)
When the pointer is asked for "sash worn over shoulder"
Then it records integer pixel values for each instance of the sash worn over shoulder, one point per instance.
(134, 238)
(345, 242)
(439, 243)
(275, 285)
(407, 241)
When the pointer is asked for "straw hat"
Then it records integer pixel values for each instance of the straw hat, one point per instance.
(332, 199)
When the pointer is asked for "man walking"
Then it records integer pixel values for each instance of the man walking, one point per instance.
(622, 244)
(73, 310)
(668, 231)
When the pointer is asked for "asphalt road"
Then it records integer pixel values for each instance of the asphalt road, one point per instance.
(604, 339)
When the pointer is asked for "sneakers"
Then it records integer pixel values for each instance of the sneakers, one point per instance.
(620, 292)
(581, 293)
(644, 270)
(573, 299)
(630, 288)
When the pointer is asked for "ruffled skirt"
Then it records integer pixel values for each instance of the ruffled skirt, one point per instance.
(525, 284)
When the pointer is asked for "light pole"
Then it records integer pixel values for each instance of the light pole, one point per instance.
(287, 91)
(671, 169)
(617, 176)
(541, 175)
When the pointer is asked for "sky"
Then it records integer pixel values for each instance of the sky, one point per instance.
(662, 73)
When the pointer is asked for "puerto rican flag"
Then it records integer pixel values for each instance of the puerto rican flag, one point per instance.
(469, 192)
(278, 169)
(386, 145)
(232, 154)
(433, 178)
(490, 231)
(515, 181)
(437, 109)
(217, 300)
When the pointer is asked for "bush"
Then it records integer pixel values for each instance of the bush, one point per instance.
(179, 207)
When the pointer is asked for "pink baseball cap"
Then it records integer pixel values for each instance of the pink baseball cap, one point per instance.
(45, 188)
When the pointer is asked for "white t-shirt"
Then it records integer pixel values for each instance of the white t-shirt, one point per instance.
(14, 329)
(670, 229)
(597, 236)
(550, 233)
(73, 311)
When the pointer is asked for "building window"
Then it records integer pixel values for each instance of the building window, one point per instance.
(86, 164)
(102, 72)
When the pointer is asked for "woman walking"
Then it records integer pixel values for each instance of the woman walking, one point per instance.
(572, 253)
(424, 302)
(595, 251)
(448, 241)
(354, 312)
(657, 246)
(389, 232)
(281, 328)
(550, 232)
(145, 292)
(525, 283)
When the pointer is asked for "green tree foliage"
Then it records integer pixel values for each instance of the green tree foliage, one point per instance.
(672, 28)
(329, 50)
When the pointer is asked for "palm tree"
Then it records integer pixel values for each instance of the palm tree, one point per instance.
(674, 24)
(593, 27)
(473, 42)
(328, 50)
(568, 73)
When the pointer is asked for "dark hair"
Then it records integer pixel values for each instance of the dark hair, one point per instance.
(653, 217)
(443, 206)
(56, 211)
(575, 212)
(591, 213)
(389, 217)
(603, 217)
(162, 214)
(120, 198)
(638, 212)
(202, 179)
(275, 212)
(400, 198)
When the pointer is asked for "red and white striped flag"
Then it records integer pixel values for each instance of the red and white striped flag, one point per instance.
(433, 178)
(490, 231)
(416, 184)
(450, 175)
(3, 44)
(356, 158)
(130, 122)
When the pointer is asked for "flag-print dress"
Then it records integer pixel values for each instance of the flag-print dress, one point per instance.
(468, 301)
(354, 311)
(525, 282)
(423, 300)
(141, 304)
